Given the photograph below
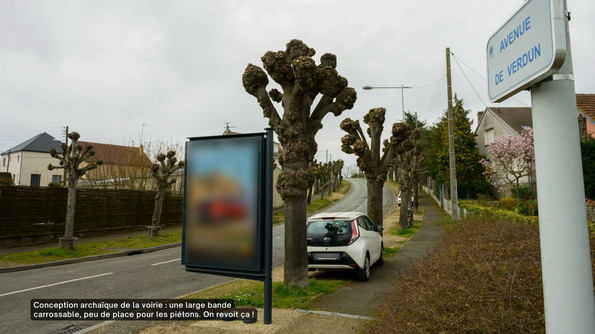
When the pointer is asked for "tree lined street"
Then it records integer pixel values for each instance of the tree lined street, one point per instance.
(153, 275)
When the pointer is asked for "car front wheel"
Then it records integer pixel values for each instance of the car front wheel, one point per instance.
(364, 274)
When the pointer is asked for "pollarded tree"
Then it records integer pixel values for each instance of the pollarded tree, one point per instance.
(337, 170)
(301, 81)
(411, 165)
(368, 155)
(71, 160)
(512, 157)
(315, 166)
(162, 171)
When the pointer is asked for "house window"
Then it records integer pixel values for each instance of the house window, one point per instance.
(56, 178)
(488, 136)
(35, 180)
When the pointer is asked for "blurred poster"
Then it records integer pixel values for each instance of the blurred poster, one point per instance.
(221, 221)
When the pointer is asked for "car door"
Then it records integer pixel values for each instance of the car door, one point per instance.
(374, 240)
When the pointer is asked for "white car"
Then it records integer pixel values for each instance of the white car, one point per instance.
(344, 240)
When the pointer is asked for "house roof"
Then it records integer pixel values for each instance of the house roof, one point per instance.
(515, 117)
(43, 142)
(118, 154)
(586, 105)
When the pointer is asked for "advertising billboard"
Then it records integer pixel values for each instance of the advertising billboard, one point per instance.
(223, 225)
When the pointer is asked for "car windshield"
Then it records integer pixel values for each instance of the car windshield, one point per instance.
(329, 227)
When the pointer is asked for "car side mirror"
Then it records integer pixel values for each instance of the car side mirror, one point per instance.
(379, 228)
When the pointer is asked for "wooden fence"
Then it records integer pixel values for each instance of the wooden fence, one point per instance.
(30, 211)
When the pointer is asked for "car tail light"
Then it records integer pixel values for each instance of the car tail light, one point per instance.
(354, 232)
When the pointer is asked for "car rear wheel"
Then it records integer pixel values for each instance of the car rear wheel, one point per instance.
(364, 274)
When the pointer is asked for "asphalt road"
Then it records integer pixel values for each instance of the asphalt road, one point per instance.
(153, 275)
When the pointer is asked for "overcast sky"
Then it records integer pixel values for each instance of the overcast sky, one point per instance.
(106, 67)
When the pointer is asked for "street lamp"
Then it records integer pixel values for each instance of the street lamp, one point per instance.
(402, 87)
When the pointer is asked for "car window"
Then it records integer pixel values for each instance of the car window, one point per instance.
(371, 225)
(362, 223)
(329, 227)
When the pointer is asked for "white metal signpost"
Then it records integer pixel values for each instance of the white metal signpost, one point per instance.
(532, 51)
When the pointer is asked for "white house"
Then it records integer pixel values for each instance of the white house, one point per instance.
(28, 162)
(496, 122)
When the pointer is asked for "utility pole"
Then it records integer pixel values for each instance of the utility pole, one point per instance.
(451, 144)
(416, 119)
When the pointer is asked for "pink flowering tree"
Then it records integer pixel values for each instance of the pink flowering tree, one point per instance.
(511, 158)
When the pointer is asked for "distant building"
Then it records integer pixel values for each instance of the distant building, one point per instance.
(496, 122)
(28, 162)
(585, 103)
(124, 167)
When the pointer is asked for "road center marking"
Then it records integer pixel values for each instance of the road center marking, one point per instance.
(164, 262)
(54, 284)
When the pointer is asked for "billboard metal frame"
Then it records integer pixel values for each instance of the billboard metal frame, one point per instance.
(264, 225)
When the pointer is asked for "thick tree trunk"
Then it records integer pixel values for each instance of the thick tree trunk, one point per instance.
(296, 249)
(375, 201)
(68, 241)
(415, 197)
(158, 205)
(405, 202)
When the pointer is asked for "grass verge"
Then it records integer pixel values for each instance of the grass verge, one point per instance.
(408, 232)
(250, 293)
(89, 249)
(388, 252)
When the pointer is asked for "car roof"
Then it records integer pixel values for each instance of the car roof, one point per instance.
(348, 215)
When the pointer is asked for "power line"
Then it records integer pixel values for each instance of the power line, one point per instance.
(435, 98)
(442, 76)
(483, 78)
(468, 81)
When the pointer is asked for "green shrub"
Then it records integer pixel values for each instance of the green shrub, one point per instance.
(6, 179)
(527, 207)
(55, 185)
(523, 193)
(498, 213)
(508, 203)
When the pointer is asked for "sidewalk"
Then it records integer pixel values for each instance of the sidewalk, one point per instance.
(347, 310)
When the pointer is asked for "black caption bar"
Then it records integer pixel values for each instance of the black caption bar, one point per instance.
(138, 309)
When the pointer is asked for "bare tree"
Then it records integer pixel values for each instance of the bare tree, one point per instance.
(369, 159)
(337, 169)
(162, 171)
(411, 165)
(70, 160)
(315, 166)
(301, 81)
